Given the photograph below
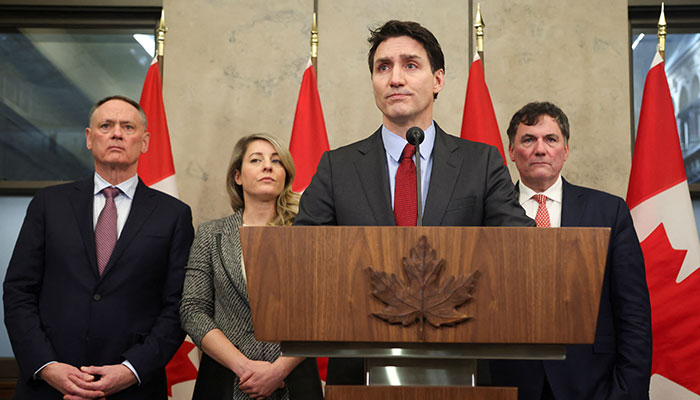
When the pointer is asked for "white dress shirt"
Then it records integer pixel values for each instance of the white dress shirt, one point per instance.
(122, 201)
(554, 196)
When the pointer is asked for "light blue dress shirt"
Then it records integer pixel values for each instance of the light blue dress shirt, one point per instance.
(393, 146)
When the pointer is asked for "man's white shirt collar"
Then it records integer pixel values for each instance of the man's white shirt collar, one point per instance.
(553, 193)
(554, 201)
(128, 187)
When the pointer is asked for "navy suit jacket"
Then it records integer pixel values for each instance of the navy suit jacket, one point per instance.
(58, 307)
(618, 364)
(469, 186)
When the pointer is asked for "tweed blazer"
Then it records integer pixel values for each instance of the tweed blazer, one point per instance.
(215, 294)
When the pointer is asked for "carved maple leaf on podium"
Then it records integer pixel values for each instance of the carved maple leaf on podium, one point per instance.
(422, 297)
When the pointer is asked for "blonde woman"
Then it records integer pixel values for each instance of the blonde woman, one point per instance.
(215, 310)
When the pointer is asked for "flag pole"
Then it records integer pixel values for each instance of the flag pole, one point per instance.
(479, 28)
(661, 32)
(314, 40)
(161, 30)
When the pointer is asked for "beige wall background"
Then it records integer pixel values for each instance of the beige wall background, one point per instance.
(234, 68)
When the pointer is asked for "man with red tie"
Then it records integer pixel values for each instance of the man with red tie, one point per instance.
(373, 181)
(93, 287)
(618, 364)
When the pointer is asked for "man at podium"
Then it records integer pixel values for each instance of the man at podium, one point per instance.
(618, 364)
(373, 181)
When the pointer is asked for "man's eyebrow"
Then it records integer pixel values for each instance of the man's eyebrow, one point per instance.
(113, 121)
(404, 57)
(410, 57)
(381, 60)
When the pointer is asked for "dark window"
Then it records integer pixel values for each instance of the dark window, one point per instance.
(682, 65)
(55, 62)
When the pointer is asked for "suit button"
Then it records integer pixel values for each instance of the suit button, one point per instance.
(96, 297)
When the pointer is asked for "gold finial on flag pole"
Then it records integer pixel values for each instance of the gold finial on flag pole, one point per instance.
(161, 30)
(479, 28)
(662, 32)
(314, 44)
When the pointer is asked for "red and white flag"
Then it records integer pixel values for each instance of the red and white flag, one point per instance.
(309, 141)
(156, 167)
(663, 218)
(157, 170)
(479, 120)
(309, 138)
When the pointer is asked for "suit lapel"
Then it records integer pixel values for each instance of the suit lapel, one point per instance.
(446, 166)
(142, 206)
(229, 246)
(573, 203)
(372, 172)
(82, 203)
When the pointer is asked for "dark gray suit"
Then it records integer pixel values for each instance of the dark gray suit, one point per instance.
(469, 186)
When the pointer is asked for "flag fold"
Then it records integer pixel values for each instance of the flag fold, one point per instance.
(663, 217)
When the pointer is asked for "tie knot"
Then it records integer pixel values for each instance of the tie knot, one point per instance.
(408, 151)
(540, 198)
(110, 192)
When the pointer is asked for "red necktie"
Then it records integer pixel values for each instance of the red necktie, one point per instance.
(106, 229)
(542, 217)
(405, 208)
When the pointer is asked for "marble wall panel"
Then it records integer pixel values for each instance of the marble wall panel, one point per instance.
(234, 68)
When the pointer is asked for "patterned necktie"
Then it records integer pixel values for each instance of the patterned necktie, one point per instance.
(106, 229)
(542, 217)
(405, 208)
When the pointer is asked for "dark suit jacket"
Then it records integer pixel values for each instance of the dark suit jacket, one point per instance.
(58, 308)
(618, 364)
(469, 186)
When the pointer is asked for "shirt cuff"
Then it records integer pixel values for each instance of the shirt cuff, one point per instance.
(132, 369)
(36, 374)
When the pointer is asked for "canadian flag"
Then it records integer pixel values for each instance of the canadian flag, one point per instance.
(663, 218)
(157, 170)
(309, 138)
(309, 141)
(479, 120)
(156, 167)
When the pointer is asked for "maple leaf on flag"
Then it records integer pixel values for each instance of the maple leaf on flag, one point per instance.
(422, 297)
(180, 368)
(675, 320)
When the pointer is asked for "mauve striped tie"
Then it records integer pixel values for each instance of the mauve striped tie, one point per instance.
(106, 229)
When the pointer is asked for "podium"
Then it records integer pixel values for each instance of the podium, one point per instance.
(532, 292)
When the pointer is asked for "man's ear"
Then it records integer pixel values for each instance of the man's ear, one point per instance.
(438, 81)
(88, 141)
(511, 152)
(146, 142)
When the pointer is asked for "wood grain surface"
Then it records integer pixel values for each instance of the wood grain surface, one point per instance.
(419, 393)
(536, 286)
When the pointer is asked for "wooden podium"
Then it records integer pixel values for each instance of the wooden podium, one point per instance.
(310, 289)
